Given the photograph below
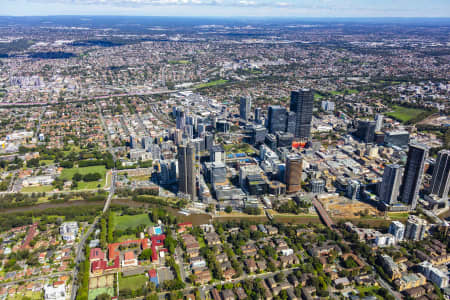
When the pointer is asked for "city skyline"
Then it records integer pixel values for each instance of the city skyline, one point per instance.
(230, 8)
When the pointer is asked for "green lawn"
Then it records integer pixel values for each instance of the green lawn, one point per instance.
(211, 83)
(368, 290)
(317, 96)
(37, 189)
(238, 148)
(132, 282)
(201, 242)
(67, 174)
(46, 162)
(126, 221)
(179, 62)
(96, 292)
(139, 178)
(398, 215)
(404, 114)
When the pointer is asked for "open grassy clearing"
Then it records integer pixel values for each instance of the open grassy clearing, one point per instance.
(124, 222)
(238, 148)
(179, 62)
(211, 83)
(139, 178)
(37, 189)
(132, 282)
(404, 114)
(97, 292)
(67, 174)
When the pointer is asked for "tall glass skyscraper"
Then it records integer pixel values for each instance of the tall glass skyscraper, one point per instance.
(412, 178)
(440, 182)
(245, 108)
(186, 170)
(276, 119)
(302, 104)
(390, 186)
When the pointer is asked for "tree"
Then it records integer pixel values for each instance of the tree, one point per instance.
(228, 209)
(103, 296)
(77, 177)
(146, 254)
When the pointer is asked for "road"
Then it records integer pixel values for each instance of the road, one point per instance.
(179, 261)
(326, 219)
(204, 289)
(21, 281)
(73, 100)
(106, 131)
(79, 251)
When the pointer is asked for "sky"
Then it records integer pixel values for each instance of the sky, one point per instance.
(229, 8)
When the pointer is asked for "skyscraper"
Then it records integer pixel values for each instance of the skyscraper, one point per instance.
(276, 119)
(244, 108)
(379, 122)
(209, 141)
(293, 175)
(180, 117)
(440, 182)
(258, 115)
(302, 105)
(186, 170)
(412, 178)
(390, 186)
(366, 130)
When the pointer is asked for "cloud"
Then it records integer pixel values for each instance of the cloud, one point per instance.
(225, 3)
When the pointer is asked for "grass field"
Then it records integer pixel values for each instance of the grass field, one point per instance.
(211, 83)
(139, 178)
(132, 282)
(46, 162)
(37, 189)
(68, 174)
(124, 222)
(30, 295)
(317, 96)
(349, 91)
(179, 62)
(96, 292)
(398, 215)
(404, 114)
(238, 148)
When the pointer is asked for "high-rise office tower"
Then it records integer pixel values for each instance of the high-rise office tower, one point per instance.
(290, 122)
(258, 115)
(366, 130)
(245, 108)
(412, 178)
(302, 105)
(390, 186)
(186, 170)
(276, 119)
(379, 122)
(180, 117)
(440, 182)
(209, 141)
(293, 175)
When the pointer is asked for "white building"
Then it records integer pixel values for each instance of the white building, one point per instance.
(69, 231)
(434, 274)
(385, 240)
(55, 293)
(397, 229)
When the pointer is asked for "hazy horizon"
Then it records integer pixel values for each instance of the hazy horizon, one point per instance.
(231, 8)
